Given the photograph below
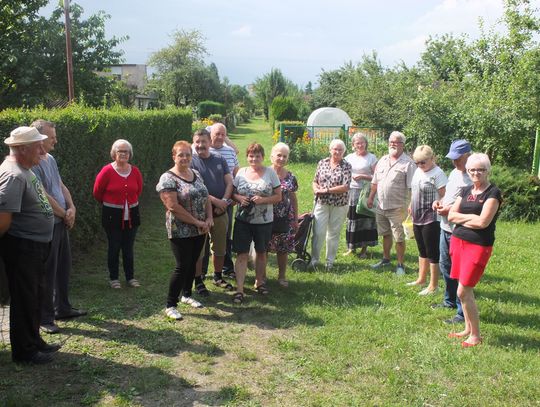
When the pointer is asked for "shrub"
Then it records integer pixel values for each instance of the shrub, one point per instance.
(208, 107)
(521, 193)
(85, 137)
(283, 108)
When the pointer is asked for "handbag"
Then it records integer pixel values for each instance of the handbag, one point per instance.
(361, 206)
(280, 225)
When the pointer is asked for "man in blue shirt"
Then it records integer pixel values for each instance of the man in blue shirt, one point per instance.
(218, 180)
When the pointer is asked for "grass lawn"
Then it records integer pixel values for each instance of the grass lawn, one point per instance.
(348, 337)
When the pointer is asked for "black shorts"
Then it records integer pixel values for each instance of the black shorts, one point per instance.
(244, 233)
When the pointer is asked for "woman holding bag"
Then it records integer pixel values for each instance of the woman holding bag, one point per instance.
(361, 229)
(285, 211)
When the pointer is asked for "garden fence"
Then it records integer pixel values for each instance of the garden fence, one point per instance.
(377, 136)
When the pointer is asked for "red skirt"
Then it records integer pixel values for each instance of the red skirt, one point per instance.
(469, 261)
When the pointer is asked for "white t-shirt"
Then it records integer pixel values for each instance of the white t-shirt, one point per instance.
(457, 180)
(424, 191)
(361, 164)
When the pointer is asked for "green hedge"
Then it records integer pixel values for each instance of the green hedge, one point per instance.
(208, 107)
(85, 137)
(520, 191)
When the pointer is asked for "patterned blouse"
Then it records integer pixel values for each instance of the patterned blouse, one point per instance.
(192, 195)
(328, 177)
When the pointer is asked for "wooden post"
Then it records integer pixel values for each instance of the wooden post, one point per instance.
(69, 60)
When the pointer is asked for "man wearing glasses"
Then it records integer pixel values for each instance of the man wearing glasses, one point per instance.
(392, 183)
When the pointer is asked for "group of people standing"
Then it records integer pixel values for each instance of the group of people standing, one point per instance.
(453, 218)
(454, 221)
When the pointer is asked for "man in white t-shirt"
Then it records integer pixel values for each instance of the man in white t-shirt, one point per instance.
(458, 179)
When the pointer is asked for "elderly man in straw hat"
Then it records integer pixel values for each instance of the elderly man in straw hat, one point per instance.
(26, 228)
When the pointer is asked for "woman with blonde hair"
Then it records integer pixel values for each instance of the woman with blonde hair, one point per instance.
(427, 186)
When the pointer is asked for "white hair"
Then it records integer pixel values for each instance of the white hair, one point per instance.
(337, 142)
(479, 158)
(115, 145)
(280, 146)
(399, 135)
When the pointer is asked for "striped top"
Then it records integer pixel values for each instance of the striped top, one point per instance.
(229, 155)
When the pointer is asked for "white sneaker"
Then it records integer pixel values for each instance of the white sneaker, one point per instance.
(190, 301)
(427, 291)
(412, 284)
(173, 313)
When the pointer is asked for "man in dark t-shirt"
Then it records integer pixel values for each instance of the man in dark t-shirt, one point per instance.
(26, 229)
(218, 180)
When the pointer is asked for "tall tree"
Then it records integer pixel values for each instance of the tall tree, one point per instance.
(268, 87)
(38, 71)
(182, 77)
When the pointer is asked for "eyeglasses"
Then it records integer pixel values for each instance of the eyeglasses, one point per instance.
(480, 170)
(122, 151)
(394, 142)
(420, 162)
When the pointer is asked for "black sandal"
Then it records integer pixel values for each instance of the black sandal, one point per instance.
(262, 289)
(238, 298)
(223, 284)
(202, 290)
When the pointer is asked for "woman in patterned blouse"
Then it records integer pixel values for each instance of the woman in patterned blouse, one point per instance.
(282, 242)
(188, 219)
(331, 189)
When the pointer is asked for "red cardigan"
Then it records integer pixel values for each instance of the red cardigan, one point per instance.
(113, 189)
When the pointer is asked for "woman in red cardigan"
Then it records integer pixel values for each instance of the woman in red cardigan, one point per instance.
(118, 187)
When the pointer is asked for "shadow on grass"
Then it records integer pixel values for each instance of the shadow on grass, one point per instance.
(513, 342)
(531, 320)
(167, 342)
(506, 296)
(284, 308)
(74, 379)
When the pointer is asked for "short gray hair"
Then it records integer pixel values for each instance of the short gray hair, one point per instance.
(360, 136)
(115, 145)
(480, 158)
(40, 124)
(335, 142)
(398, 135)
(280, 146)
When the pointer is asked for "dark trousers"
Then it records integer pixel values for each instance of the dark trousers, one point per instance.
(57, 270)
(445, 265)
(228, 264)
(25, 267)
(121, 239)
(186, 252)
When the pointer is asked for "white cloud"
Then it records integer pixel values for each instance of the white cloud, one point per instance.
(244, 31)
(407, 50)
(458, 16)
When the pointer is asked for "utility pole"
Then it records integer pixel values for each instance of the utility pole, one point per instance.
(69, 60)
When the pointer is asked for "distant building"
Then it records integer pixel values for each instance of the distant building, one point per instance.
(135, 77)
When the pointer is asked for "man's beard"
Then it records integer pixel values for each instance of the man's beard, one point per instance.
(393, 151)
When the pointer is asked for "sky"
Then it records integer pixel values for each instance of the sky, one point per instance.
(247, 38)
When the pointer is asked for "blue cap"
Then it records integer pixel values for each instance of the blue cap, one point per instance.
(458, 148)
